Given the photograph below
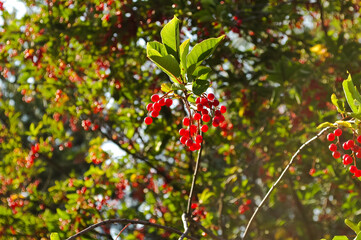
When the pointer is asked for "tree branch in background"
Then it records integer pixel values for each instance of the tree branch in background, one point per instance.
(279, 179)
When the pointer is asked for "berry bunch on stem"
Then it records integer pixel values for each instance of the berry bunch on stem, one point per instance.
(205, 110)
(349, 145)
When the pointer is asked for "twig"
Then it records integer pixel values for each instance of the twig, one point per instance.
(185, 225)
(279, 179)
(122, 230)
(127, 221)
(195, 174)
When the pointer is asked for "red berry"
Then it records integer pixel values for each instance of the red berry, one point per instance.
(215, 103)
(206, 118)
(223, 109)
(197, 116)
(345, 146)
(330, 137)
(336, 155)
(148, 120)
(155, 98)
(199, 107)
(215, 122)
(332, 147)
(204, 101)
(189, 142)
(338, 132)
(182, 131)
(353, 169)
(204, 111)
(194, 205)
(204, 128)
(312, 171)
(157, 107)
(358, 173)
(193, 129)
(150, 107)
(161, 102)
(198, 100)
(183, 139)
(359, 139)
(168, 102)
(358, 154)
(155, 114)
(350, 143)
(217, 113)
(186, 121)
(347, 159)
(210, 96)
(199, 139)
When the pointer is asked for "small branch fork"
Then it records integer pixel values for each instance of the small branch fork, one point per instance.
(279, 179)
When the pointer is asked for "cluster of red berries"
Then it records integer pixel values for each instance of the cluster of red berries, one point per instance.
(207, 111)
(155, 107)
(347, 159)
(198, 212)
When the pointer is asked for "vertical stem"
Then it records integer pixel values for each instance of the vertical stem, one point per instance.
(194, 179)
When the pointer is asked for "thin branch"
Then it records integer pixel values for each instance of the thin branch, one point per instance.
(122, 230)
(323, 25)
(185, 225)
(280, 178)
(195, 174)
(127, 221)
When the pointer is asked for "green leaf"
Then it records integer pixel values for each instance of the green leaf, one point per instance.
(166, 87)
(170, 37)
(352, 95)
(201, 72)
(177, 86)
(325, 124)
(160, 48)
(352, 225)
(200, 52)
(183, 52)
(340, 238)
(344, 124)
(54, 236)
(200, 86)
(167, 63)
(340, 105)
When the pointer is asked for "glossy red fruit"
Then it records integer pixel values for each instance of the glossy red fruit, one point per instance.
(186, 121)
(345, 146)
(155, 114)
(148, 120)
(223, 109)
(350, 143)
(332, 147)
(353, 169)
(359, 139)
(206, 118)
(199, 139)
(154, 98)
(210, 96)
(336, 154)
(168, 102)
(338, 132)
(204, 128)
(197, 116)
(330, 137)
(182, 131)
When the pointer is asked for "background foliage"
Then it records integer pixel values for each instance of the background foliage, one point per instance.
(75, 81)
